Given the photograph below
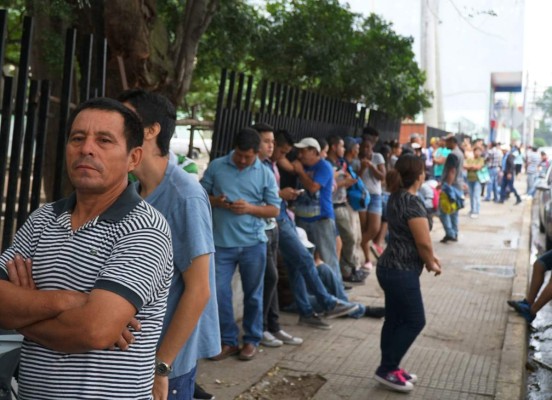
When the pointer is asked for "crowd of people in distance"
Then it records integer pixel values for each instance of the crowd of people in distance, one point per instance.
(121, 287)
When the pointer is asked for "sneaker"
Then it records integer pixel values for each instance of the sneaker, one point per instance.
(517, 202)
(201, 394)
(286, 338)
(394, 380)
(340, 310)
(367, 266)
(409, 377)
(515, 304)
(474, 216)
(314, 321)
(269, 340)
(376, 250)
(522, 308)
(355, 277)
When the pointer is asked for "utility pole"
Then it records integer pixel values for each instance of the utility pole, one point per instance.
(433, 116)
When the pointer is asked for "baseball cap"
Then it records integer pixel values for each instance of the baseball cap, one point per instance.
(303, 238)
(308, 142)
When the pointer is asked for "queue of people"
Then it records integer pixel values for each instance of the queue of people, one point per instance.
(107, 280)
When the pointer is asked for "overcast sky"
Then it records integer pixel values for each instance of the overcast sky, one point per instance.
(474, 43)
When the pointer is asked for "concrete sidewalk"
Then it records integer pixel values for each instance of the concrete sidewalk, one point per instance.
(473, 347)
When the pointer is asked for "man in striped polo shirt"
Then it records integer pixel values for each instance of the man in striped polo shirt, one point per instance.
(87, 277)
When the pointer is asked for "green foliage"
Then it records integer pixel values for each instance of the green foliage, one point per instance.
(539, 142)
(317, 45)
(227, 43)
(545, 103)
(16, 12)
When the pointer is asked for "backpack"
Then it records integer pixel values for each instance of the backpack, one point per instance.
(357, 194)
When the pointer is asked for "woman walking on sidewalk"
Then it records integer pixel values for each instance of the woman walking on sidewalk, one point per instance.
(399, 270)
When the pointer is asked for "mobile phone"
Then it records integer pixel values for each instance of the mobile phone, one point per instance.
(300, 191)
(228, 201)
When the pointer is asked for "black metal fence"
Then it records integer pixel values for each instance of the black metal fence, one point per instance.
(241, 103)
(24, 121)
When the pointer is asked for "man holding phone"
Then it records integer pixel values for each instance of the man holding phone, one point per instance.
(242, 193)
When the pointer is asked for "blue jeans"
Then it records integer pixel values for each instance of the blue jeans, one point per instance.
(182, 387)
(475, 196)
(251, 261)
(328, 279)
(321, 233)
(492, 185)
(507, 187)
(532, 183)
(450, 223)
(404, 315)
(301, 270)
(271, 311)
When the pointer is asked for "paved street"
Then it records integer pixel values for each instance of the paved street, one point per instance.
(473, 346)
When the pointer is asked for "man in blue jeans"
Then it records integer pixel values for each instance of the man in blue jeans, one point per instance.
(303, 276)
(493, 161)
(315, 214)
(453, 175)
(191, 325)
(242, 193)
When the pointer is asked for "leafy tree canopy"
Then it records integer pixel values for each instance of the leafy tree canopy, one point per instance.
(319, 45)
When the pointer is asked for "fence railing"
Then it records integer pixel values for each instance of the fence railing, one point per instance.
(242, 102)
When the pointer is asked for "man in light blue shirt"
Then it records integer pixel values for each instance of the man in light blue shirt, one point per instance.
(242, 193)
(191, 326)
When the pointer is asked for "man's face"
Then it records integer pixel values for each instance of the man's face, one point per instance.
(280, 152)
(267, 145)
(339, 149)
(308, 156)
(354, 151)
(96, 152)
(244, 158)
(450, 144)
(366, 149)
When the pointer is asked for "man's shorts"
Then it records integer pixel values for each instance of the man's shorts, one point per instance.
(546, 259)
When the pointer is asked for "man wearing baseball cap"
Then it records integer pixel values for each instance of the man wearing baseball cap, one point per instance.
(314, 209)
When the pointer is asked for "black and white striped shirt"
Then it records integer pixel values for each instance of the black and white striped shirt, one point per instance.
(126, 250)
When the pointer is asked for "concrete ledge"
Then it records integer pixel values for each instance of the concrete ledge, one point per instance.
(511, 383)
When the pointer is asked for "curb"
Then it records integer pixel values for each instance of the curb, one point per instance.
(511, 383)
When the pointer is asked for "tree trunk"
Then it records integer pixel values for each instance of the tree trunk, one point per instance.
(149, 59)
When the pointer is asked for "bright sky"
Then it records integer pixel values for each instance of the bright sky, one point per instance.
(473, 44)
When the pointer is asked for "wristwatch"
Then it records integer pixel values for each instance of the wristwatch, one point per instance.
(162, 368)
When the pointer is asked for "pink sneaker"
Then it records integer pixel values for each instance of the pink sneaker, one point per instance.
(409, 377)
(367, 266)
(394, 380)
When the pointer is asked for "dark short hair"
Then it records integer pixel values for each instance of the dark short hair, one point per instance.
(247, 139)
(282, 137)
(153, 108)
(132, 125)
(262, 127)
(334, 139)
(370, 131)
(322, 142)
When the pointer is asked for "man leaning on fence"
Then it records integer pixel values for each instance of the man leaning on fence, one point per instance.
(86, 279)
